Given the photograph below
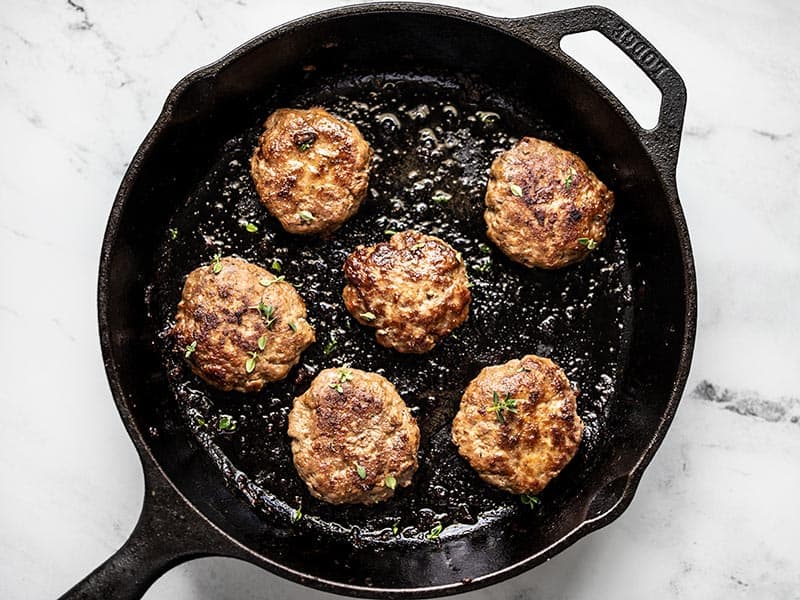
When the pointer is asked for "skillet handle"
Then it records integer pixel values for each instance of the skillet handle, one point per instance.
(167, 534)
(663, 141)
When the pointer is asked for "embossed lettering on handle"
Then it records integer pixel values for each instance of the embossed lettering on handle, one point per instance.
(644, 54)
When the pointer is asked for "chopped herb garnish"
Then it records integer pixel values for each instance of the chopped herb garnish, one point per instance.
(267, 311)
(368, 316)
(250, 227)
(441, 197)
(250, 365)
(487, 117)
(498, 406)
(293, 326)
(484, 249)
(262, 342)
(390, 482)
(173, 233)
(305, 146)
(515, 190)
(396, 527)
(216, 263)
(529, 500)
(336, 386)
(226, 423)
(588, 242)
(469, 284)
(524, 369)
(568, 180)
(345, 374)
(418, 245)
(200, 421)
(434, 533)
(276, 265)
(297, 514)
(306, 216)
(362, 472)
(483, 265)
(459, 257)
(329, 347)
(266, 282)
(389, 231)
(189, 350)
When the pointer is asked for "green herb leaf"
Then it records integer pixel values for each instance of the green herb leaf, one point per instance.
(266, 281)
(529, 500)
(329, 347)
(262, 342)
(200, 421)
(268, 312)
(362, 472)
(483, 265)
(396, 528)
(297, 514)
(336, 386)
(588, 242)
(216, 263)
(498, 406)
(276, 265)
(568, 180)
(418, 245)
(434, 533)
(345, 374)
(173, 233)
(515, 190)
(226, 423)
(441, 197)
(293, 326)
(305, 146)
(484, 249)
(250, 227)
(306, 216)
(189, 350)
(368, 316)
(389, 232)
(469, 284)
(250, 365)
(390, 482)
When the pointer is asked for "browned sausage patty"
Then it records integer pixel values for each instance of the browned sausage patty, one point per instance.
(239, 326)
(413, 289)
(310, 169)
(353, 438)
(517, 425)
(544, 207)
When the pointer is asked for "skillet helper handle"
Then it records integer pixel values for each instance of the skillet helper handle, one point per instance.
(663, 140)
(168, 533)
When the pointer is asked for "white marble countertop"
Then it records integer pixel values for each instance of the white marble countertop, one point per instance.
(716, 516)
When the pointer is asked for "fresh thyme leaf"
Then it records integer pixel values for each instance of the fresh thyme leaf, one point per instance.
(483, 265)
(250, 365)
(305, 146)
(434, 533)
(389, 231)
(226, 423)
(216, 263)
(418, 245)
(588, 242)
(262, 342)
(293, 326)
(250, 227)
(569, 178)
(368, 316)
(441, 197)
(306, 216)
(390, 482)
(515, 190)
(189, 350)
(200, 421)
(345, 374)
(529, 500)
(498, 406)
(297, 514)
(484, 249)
(396, 528)
(266, 281)
(267, 311)
(336, 386)
(173, 233)
(362, 472)
(329, 347)
(469, 284)
(276, 265)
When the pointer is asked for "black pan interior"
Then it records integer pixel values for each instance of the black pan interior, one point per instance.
(435, 113)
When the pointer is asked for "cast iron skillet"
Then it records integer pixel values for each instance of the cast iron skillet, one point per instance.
(438, 92)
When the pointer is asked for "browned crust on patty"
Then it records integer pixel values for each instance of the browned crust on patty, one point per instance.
(219, 312)
(561, 202)
(532, 445)
(416, 287)
(349, 419)
(310, 162)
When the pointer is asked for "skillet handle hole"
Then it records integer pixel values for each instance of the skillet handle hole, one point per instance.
(618, 73)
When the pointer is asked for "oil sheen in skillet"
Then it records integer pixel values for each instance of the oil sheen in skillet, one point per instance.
(434, 139)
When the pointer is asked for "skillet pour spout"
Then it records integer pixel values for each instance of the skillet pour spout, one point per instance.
(622, 323)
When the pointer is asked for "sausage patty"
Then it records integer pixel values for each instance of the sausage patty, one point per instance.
(413, 289)
(310, 169)
(353, 438)
(239, 326)
(544, 207)
(517, 425)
